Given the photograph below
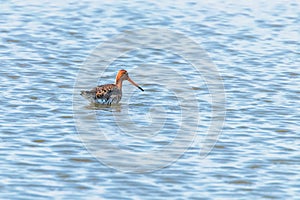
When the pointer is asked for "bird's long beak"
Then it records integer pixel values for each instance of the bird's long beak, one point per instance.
(133, 83)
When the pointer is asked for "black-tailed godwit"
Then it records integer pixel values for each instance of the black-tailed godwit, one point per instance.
(109, 93)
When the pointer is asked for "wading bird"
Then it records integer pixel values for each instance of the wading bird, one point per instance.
(109, 93)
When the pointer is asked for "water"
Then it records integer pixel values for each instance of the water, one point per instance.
(255, 47)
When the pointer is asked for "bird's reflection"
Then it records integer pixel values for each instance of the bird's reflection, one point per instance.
(108, 108)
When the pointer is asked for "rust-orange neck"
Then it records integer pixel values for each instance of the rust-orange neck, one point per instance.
(119, 80)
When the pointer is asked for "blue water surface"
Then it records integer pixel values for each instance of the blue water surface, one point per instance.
(255, 46)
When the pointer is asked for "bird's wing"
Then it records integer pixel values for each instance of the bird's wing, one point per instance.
(103, 92)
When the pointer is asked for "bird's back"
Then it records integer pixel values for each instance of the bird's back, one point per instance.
(103, 94)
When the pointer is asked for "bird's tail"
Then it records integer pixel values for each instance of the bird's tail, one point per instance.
(88, 95)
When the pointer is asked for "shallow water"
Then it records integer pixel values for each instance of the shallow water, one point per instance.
(44, 45)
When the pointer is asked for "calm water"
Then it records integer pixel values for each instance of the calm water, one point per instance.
(43, 47)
